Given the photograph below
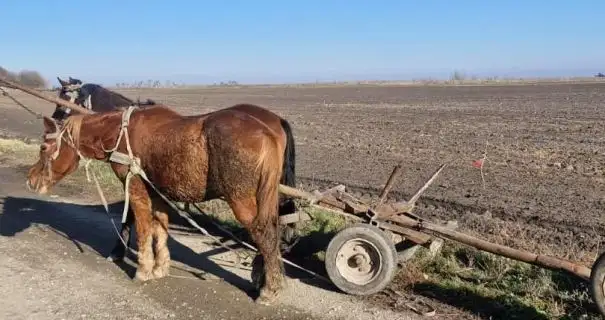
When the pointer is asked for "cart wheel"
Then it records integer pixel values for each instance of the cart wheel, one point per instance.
(361, 259)
(597, 283)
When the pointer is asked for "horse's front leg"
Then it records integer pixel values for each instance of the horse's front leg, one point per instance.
(140, 203)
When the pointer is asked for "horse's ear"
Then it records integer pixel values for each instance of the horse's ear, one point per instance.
(49, 125)
(74, 81)
(63, 82)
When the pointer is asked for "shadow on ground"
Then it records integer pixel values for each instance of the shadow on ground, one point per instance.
(485, 308)
(89, 225)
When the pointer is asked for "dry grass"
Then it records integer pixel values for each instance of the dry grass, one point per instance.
(18, 153)
(492, 286)
(16, 148)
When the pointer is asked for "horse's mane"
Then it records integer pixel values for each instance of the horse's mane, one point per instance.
(92, 87)
(72, 126)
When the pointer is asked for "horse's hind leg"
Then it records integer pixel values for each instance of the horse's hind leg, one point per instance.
(266, 238)
(160, 235)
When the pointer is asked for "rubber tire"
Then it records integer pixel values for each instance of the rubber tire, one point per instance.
(597, 278)
(384, 245)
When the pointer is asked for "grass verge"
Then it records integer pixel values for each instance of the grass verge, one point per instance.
(22, 155)
(481, 284)
(494, 287)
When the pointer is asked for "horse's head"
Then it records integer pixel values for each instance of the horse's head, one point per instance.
(58, 155)
(71, 91)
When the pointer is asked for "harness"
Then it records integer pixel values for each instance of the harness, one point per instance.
(134, 165)
(73, 94)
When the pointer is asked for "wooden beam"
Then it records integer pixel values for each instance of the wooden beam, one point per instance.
(51, 99)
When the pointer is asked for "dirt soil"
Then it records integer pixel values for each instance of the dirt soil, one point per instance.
(543, 181)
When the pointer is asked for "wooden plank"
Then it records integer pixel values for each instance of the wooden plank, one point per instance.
(51, 99)
(520, 255)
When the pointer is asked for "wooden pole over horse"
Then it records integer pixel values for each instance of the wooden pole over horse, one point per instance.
(56, 100)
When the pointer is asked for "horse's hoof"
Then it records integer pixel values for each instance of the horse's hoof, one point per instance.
(159, 273)
(143, 276)
(266, 297)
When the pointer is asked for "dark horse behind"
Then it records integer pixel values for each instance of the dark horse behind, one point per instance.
(91, 96)
(100, 99)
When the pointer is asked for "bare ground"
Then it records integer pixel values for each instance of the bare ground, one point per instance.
(543, 180)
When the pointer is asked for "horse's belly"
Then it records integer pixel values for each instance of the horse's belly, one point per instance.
(183, 180)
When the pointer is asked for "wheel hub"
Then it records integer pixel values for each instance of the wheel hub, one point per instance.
(358, 261)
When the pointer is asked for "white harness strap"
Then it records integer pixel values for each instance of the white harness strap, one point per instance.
(134, 163)
(88, 102)
(58, 136)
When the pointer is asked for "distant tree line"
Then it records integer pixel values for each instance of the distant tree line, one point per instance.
(28, 78)
(167, 84)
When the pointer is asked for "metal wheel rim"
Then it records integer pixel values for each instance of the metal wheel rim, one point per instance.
(359, 261)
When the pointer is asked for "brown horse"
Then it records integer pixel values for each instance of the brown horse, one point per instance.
(288, 177)
(103, 100)
(227, 154)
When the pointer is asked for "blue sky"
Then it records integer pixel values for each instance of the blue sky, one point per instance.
(284, 41)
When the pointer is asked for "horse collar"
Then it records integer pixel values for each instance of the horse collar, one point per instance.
(119, 157)
(134, 163)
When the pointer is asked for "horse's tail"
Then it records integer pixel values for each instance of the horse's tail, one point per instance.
(288, 177)
(266, 222)
(288, 171)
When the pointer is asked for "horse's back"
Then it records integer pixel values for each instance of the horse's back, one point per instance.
(220, 150)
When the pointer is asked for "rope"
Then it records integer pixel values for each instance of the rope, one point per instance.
(5, 93)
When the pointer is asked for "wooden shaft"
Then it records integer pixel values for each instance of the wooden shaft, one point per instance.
(295, 193)
(416, 237)
(521, 255)
(389, 184)
(55, 100)
(425, 186)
